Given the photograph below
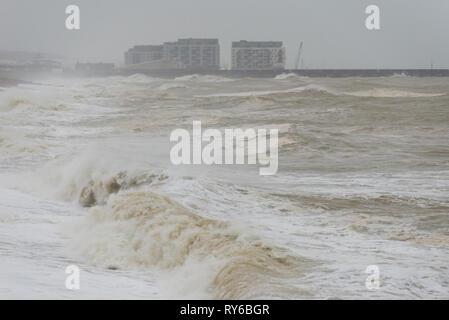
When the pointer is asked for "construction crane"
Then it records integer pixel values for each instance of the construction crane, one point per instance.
(298, 57)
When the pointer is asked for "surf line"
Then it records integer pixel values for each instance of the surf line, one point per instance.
(249, 147)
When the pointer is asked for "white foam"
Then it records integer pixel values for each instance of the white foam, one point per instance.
(147, 230)
(170, 86)
(310, 87)
(287, 76)
(203, 78)
(391, 93)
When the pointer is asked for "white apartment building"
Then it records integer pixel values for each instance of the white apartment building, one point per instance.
(184, 53)
(258, 55)
(194, 53)
(143, 54)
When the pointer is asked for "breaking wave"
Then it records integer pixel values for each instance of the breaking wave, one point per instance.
(194, 255)
(310, 87)
(288, 76)
(170, 86)
(400, 75)
(14, 143)
(203, 78)
(27, 99)
(138, 78)
(88, 179)
(96, 192)
(390, 93)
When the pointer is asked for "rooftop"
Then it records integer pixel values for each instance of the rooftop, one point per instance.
(256, 44)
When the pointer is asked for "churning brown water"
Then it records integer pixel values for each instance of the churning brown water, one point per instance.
(86, 179)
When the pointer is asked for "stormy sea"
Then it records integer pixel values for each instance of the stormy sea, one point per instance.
(363, 180)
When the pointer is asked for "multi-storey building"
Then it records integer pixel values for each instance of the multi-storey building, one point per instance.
(143, 54)
(194, 53)
(184, 53)
(258, 55)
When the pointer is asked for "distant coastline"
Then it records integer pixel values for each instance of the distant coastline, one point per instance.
(320, 73)
(7, 83)
(16, 77)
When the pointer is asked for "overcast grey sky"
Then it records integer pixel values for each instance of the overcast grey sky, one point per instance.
(413, 32)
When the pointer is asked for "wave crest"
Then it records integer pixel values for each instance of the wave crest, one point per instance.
(147, 230)
(310, 87)
(97, 191)
(390, 93)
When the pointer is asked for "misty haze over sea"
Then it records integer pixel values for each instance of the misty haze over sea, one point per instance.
(413, 33)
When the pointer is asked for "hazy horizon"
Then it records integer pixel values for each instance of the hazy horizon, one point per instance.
(413, 33)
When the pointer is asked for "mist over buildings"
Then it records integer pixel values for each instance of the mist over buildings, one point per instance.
(413, 33)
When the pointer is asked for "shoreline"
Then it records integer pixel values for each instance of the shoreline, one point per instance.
(9, 79)
(312, 73)
(10, 83)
